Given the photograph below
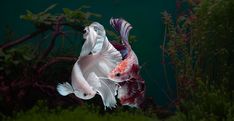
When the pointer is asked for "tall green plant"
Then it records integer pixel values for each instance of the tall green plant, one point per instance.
(200, 45)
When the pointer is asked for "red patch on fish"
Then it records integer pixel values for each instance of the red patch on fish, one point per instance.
(121, 67)
(135, 92)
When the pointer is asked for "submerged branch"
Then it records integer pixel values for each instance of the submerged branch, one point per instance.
(55, 60)
(56, 33)
(22, 39)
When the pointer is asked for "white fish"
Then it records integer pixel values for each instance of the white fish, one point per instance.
(89, 75)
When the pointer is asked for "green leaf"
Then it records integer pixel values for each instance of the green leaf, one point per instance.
(49, 8)
(27, 57)
(67, 11)
(84, 7)
(29, 15)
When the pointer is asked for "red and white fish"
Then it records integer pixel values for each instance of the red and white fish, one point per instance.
(126, 73)
(89, 75)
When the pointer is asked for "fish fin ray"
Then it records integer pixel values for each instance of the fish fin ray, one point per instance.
(93, 80)
(64, 89)
(110, 56)
(122, 27)
(107, 91)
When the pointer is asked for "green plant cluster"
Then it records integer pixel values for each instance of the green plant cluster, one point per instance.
(16, 59)
(72, 17)
(86, 112)
(201, 46)
(205, 104)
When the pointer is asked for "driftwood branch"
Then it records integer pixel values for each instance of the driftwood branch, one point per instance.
(57, 31)
(53, 61)
(22, 39)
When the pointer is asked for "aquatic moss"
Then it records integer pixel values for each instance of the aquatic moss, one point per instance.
(81, 113)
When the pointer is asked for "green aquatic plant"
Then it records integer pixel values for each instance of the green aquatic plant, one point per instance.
(81, 113)
(73, 18)
(205, 104)
(200, 45)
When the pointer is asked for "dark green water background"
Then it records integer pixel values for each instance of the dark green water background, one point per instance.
(145, 17)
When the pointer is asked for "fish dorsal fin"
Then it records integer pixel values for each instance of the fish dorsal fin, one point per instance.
(89, 43)
(122, 27)
(98, 45)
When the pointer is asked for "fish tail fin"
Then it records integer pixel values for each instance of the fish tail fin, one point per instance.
(65, 89)
(123, 27)
(132, 92)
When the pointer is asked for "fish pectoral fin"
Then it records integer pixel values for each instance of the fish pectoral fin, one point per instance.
(93, 80)
(107, 91)
(64, 89)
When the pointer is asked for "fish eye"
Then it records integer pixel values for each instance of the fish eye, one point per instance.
(118, 74)
(84, 31)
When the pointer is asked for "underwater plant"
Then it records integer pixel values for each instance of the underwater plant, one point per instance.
(200, 45)
(26, 66)
(81, 113)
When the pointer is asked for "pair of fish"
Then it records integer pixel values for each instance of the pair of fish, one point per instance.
(107, 69)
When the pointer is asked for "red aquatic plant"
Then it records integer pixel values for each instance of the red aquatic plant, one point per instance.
(177, 48)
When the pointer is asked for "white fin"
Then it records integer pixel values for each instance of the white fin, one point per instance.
(110, 56)
(102, 62)
(106, 69)
(93, 80)
(64, 89)
(108, 91)
(90, 41)
(105, 88)
(98, 45)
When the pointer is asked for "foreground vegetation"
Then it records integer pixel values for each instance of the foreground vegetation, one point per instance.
(81, 113)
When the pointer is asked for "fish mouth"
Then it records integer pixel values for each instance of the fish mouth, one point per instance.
(112, 77)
